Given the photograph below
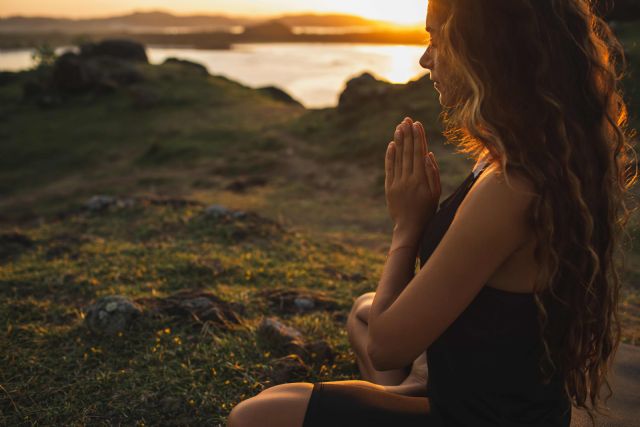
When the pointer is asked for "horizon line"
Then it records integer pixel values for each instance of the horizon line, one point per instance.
(208, 13)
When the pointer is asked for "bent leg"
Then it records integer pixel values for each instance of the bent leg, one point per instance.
(361, 403)
(357, 332)
(282, 405)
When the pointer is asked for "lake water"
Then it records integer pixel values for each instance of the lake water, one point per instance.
(313, 73)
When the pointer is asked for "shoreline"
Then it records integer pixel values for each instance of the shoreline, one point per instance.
(206, 40)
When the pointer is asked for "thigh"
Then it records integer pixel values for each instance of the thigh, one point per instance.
(352, 403)
(283, 405)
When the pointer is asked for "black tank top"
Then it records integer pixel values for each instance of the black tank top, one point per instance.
(483, 370)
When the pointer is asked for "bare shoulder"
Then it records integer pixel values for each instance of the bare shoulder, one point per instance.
(493, 186)
(500, 203)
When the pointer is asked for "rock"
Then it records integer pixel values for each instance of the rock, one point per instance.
(73, 73)
(363, 90)
(289, 368)
(196, 306)
(279, 95)
(282, 338)
(100, 202)
(125, 49)
(189, 65)
(239, 214)
(216, 211)
(111, 314)
(303, 303)
(288, 301)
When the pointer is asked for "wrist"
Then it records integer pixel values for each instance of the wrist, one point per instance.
(405, 237)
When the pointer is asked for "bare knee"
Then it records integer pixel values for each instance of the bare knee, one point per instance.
(361, 306)
(283, 405)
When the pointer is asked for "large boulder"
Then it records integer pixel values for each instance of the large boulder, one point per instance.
(363, 90)
(73, 73)
(124, 49)
(189, 65)
(278, 94)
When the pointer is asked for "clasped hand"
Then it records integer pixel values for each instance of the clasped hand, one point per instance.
(412, 180)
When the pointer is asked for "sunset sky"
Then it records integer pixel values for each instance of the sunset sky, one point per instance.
(398, 11)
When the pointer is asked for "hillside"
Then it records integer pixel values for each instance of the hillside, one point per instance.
(157, 20)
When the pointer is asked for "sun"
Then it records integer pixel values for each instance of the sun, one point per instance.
(401, 12)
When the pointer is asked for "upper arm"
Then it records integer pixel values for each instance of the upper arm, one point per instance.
(488, 227)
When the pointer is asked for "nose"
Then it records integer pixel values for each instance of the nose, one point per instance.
(426, 61)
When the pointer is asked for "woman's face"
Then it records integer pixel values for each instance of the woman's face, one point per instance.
(437, 68)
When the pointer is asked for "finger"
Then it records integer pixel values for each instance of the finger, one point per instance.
(428, 171)
(389, 164)
(433, 158)
(397, 138)
(433, 176)
(435, 162)
(407, 161)
(418, 153)
(424, 137)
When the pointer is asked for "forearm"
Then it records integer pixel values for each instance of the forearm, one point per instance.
(398, 271)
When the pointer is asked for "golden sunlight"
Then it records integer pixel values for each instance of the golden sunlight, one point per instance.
(402, 12)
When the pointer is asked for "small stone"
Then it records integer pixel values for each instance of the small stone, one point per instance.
(239, 214)
(284, 339)
(303, 304)
(216, 211)
(112, 306)
(289, 368)
(111, 314)
(100, 202)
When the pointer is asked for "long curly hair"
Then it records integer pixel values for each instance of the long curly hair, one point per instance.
(538, 91)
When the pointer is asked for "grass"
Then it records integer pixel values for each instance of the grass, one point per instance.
(62, 374)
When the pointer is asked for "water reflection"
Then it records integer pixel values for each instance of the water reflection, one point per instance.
(313, 73)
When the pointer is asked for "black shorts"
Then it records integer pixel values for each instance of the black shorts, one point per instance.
(336, 404)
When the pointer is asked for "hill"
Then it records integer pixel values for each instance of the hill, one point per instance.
(159, 20)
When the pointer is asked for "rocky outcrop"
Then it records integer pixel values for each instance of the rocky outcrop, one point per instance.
(363, 90)
(190, 65)
(123, 49)
(73, 73)
(279, 95)
(98, 68)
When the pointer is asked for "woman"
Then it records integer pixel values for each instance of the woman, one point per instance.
(515, 301)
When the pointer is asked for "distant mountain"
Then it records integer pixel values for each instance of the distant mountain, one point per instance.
(158, 20)
(331, 20)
